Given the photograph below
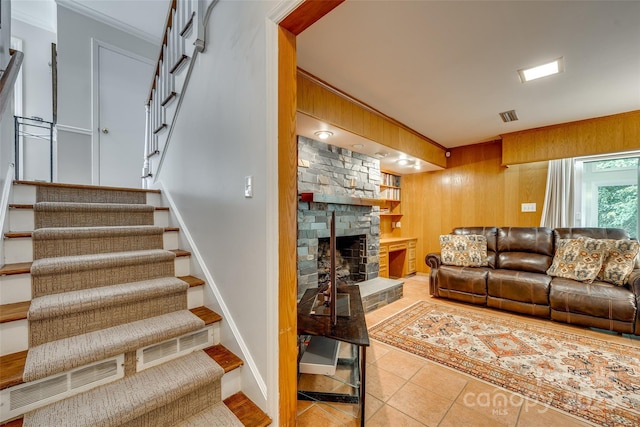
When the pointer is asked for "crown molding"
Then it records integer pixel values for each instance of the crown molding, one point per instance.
(36, 20)
(80, 8)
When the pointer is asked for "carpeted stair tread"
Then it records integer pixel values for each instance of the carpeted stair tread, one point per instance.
(125, 400)
(69, 214)
(90, 299)
(74, 263)
(55, 233)
(65, 354)
(93, 207)
(72, 241)
(217, 415)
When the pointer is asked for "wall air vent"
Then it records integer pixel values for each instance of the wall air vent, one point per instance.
(18, 400)
(508, 116)
(156, 354)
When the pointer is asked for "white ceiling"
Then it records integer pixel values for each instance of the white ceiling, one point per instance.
(142, 18)
(447, 68)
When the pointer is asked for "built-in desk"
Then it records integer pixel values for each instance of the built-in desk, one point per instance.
(397, 256)
(351, 330)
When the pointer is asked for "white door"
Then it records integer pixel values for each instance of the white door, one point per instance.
(123, 86)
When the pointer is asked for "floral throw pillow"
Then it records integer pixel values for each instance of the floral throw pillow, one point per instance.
(463, 250)
(578, 259)
(619, 261)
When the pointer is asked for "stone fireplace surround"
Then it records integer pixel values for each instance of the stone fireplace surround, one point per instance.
(329, 170)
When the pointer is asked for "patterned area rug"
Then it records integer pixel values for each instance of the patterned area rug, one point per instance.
(587, 377)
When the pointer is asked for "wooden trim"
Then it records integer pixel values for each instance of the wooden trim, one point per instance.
(307, 14)
(14, 311)
(287, 227)
(167, 25)
(159, 128)
(12, 369)
(324, 102)
(9, 77)
(178, 63)
(188, 25)
(168, 99)
(601, 135)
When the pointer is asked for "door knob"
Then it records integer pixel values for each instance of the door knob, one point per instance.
(105, 130)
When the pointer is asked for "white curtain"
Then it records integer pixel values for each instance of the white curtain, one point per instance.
(558, 209)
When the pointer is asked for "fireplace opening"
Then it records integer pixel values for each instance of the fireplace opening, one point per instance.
(351, 260)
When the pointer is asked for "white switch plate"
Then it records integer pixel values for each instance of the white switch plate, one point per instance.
(528, 207)
(248, 186)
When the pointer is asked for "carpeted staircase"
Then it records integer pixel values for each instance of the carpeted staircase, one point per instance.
(111, 339)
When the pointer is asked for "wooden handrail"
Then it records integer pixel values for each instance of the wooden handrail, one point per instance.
(167, 25)
(9, 78)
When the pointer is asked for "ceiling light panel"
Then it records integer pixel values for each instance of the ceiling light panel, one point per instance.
(554, 67)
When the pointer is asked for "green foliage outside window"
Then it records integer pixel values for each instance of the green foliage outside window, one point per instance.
(618, 207)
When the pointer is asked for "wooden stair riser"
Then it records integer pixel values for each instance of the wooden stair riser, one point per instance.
(58, 327)
(14, 336)
(22, 219)
(26, 194)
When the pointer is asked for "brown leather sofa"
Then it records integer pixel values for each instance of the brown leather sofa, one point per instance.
(516, 279)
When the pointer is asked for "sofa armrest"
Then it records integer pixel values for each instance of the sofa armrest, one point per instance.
(433, 261)
(634, 285)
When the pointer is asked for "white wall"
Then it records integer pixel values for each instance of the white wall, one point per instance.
(36, 71)
(221, 136)
(6, 120)
(75, 32)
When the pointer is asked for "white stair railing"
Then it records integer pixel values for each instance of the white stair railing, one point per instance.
(184, 38)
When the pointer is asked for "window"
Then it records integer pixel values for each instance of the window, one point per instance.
(607, 192)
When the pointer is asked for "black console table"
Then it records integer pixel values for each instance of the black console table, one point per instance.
(351, 330)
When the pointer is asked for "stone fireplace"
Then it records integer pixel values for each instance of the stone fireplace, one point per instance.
(351, 259)
(345, 176)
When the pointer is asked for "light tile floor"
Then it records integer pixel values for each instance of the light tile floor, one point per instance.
(407, 390)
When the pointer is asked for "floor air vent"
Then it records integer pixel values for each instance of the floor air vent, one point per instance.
(156, 354)
(26, 397)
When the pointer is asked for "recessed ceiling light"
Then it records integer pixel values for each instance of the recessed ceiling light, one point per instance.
(381, 154)
(403, 162)
(554, 67)
(323, 134)
(357, 145)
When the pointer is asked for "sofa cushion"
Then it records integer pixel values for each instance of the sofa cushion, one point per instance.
(578, 259)
(468, 284)
(525, 249)
(597, 299)
(522, 286)
(463, 251)
(619, 261)
(490, 233)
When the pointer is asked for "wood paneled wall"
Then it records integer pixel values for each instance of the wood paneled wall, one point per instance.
(318, 100)
(474, 190)
(610, 134)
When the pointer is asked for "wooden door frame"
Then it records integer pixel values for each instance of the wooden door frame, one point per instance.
(304, 15)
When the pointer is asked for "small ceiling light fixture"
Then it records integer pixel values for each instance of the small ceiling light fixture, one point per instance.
(404, 162)
(323, 134)
(554, 67)
(357, 145)
(381, 154)
(508, 116)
